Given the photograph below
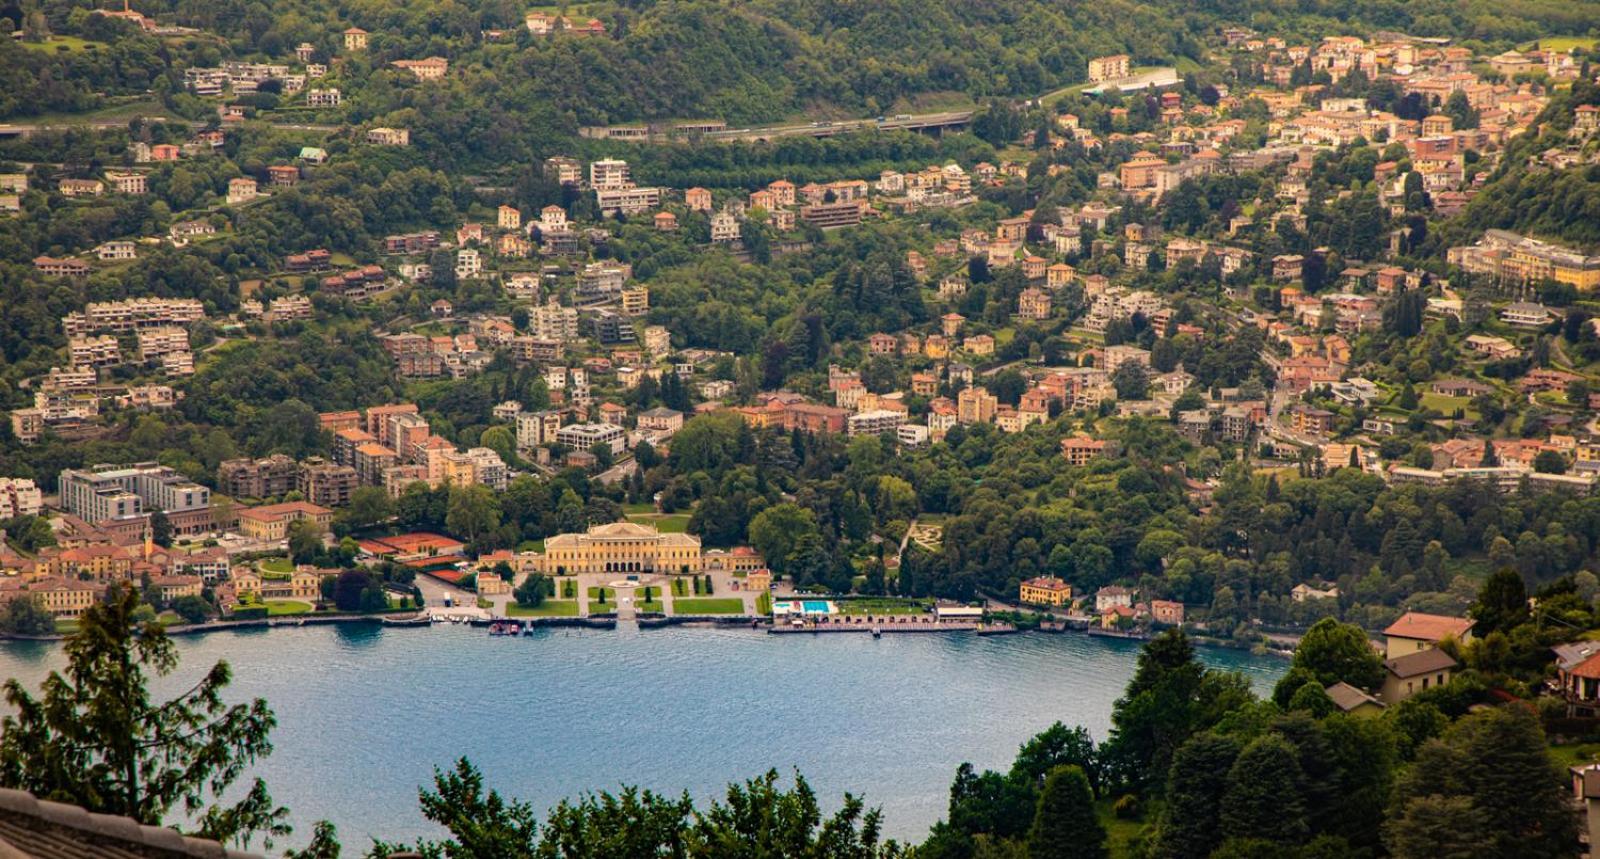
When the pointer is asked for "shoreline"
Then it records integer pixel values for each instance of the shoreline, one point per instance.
(755, 624)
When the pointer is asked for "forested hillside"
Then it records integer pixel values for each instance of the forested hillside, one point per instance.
(744, 63)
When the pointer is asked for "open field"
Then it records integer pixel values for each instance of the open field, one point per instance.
(69, 44)
(278, 608)
(1560, 43)
(551, 608)
(666, 523)
(708, 606)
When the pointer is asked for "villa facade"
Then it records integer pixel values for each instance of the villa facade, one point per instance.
(621, 547)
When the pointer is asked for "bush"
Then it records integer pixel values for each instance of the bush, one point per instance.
(1127, 807)
(191, 608)
(250, 612)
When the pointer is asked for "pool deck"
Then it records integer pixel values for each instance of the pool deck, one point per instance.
(891, 627)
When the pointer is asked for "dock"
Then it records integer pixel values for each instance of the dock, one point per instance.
(881, 628)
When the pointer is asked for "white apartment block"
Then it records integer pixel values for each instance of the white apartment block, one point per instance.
(19, 497)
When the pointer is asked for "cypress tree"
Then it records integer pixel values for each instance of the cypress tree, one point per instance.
(1064, 822)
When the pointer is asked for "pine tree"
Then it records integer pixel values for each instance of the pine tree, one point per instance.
(1064, 822)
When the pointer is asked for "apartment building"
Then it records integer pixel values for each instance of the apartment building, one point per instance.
(592, 435)
(629, 200)
(1507, 256)
(1109, 68)
(132, 315)
(19, 497)
(326, 484)
(610, 173)
(830, 216)
(258, 478)
(108, 492)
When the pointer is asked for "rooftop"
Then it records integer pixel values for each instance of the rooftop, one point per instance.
(1428, 627)
(1419, 663)
(31, 827)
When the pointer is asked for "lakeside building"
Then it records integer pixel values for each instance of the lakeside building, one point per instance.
(1045, 590)
(620, 547)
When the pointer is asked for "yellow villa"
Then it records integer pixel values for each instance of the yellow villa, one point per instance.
(1045, 590)
(621, 547)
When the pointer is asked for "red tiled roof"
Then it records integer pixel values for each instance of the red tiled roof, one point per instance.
(1428, 627)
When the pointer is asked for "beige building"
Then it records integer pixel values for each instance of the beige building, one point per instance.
(1108, 68)
(621, 547)
(1407, 675)
(63, 597)
(272, 522)
(1415, 632)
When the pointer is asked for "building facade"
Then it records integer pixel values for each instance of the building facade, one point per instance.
(621, 547)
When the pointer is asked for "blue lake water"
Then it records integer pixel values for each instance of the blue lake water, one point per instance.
(365, 713)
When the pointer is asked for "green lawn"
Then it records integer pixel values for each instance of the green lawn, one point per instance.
(277, 608)
(124, 110)
(551, 608)
(66, 44)
(66, 627)
(764, 603)
(277, 565)
(666, 523)
(1447, 405)
(1561, 44)
(655, 605)
(883, 606)
(711, 605)
(638, 509)
(610, 595)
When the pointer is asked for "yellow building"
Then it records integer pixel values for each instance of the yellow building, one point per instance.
(739, 559)
(758, 580)
(64, 597)
(174, 587)
(1045, 590)
(271, 522)
(302, 584)
(621, 547)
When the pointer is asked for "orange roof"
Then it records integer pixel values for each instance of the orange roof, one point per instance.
(1428, 627)
(1589, 668)
(288, 508)
(407, 543)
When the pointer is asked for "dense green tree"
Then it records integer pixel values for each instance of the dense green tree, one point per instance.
(1335, 652)
(533, 590)
(1491, 776)
(1191, 822)
(1064, 824)
(1502, 603)
(1264, 793)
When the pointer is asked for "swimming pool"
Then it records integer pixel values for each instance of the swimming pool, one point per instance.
(803, 607)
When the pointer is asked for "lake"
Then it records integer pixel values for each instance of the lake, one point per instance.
(365, 713)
